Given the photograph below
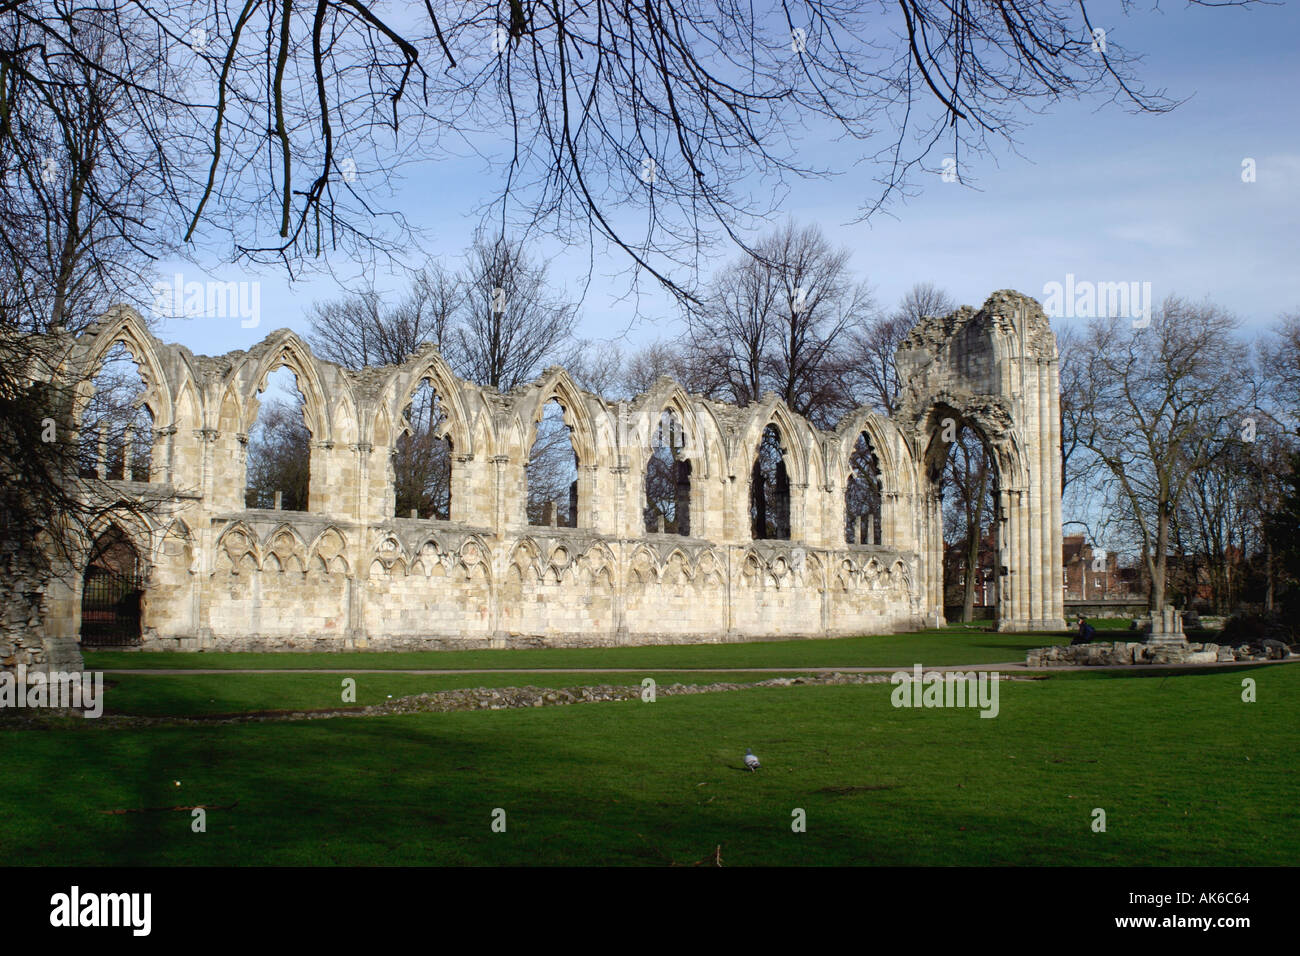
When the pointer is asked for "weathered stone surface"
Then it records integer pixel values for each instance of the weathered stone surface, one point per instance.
(1275, 649)
(24, 585)
(1146, 653)
(1167, 628)
(350, 575)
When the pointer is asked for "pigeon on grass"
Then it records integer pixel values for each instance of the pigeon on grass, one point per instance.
(751, 762)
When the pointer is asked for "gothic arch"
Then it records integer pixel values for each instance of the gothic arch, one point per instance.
(791, 432)
(997, 369)
(402, 385)
(229, 412)
(124, 325)
(239, 545)
(667, 396)
(475, 552)
(991, 422)
(556, 384)
(886, 443)
(285, 348)
(141, 529)
(329, 552)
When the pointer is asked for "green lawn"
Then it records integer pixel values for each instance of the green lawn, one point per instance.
(953, 645)
(154, 695)
(1186, 772)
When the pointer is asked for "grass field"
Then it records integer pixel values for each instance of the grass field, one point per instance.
(956, 644)
(1186, 772)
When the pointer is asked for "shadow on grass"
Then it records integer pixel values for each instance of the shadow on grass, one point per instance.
(628, 783)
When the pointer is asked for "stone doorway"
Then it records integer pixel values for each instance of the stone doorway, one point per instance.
(111, 593)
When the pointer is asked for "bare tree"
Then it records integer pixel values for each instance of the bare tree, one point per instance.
(667, 480)
(817, 301)
(969, 506)
(509, 325)
(923, 300)
(598, 367)
(1280, 361)
(552, 473)
(1282, 538)
(872, 342)
(1160, 404)
(679, 362)
(1077, 465)
(294, 118)
(1273, 494)
(422, 459)
(1220, 524)
(363, 330)
(495, 320)
(85, 213)
(82, 214)
(775, 321)
(733, 327)
(116, 429)
(279, 456)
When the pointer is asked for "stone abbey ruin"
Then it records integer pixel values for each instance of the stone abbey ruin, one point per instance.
(349, 573)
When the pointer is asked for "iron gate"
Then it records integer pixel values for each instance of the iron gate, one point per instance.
(110, 608)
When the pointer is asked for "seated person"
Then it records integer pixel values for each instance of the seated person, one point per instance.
(1086, 633)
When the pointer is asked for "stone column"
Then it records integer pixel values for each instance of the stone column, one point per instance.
(1001, 581)
(933, 538)
(321, 493)
(589, 514)
(163, 455)
(1033, 558)
(1043, 504)
(207, 480)
(620, 476)
(889, 511)
(501, 518)
(1024, 559)
(798, 518)
(360, 497)
(1055, 557)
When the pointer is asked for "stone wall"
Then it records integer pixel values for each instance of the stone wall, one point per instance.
(350, 574)
(22, 598)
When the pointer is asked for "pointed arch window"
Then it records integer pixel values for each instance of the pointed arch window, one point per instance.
(862, 498)
(422, 459)
(279, 446)
(117, 427)
(668, 480)
(769, 506)
(552, 472)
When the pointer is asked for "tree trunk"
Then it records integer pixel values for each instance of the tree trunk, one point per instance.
(1268, 573)
(975, 520)
(972, 569)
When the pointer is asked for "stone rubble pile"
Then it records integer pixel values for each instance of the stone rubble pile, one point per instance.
(1128, 652)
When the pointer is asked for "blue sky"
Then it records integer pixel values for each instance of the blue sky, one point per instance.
(1095, 192)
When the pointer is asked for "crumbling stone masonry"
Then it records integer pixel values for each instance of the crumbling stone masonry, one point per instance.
(349, 574)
